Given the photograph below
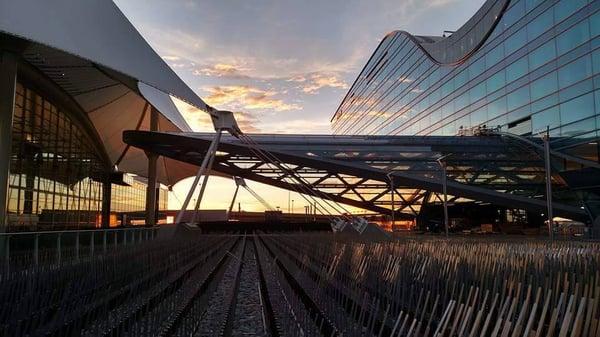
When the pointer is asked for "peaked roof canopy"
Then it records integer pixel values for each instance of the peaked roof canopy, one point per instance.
(94, 54)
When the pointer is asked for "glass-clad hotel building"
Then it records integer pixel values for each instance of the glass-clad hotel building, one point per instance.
(522, 65)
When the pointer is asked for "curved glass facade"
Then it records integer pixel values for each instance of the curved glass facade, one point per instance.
(54, 173)
(539, 68)
(132, 198)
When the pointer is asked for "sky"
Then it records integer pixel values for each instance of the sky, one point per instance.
(282, 66)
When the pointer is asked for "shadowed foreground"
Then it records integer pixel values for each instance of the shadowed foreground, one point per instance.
(317, 284)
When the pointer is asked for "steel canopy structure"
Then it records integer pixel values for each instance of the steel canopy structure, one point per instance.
(96, 58)
(74, 75)
(354, 170)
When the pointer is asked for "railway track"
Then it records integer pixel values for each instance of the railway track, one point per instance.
(312, 285)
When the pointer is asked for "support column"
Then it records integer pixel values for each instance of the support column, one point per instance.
(8, 83)
(237, 187)
(548, 168)
(204, 168)
(445, 191)
(151, 188)
(106, 197)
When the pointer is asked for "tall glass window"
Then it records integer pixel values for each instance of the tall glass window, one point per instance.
(575, 71)
(573, 37)
(577, 109)
(54, 171)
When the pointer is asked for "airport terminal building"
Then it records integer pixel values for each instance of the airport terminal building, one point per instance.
(69, 87)
(463, 114)
(93, 138)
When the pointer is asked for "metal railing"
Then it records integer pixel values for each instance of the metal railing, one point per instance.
(25, 249)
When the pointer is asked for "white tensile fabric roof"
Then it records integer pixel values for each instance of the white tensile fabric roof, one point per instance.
(94, 54)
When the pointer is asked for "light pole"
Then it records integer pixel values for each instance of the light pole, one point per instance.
(442, 162)
(548, 168)
(389, 175)
(292, 205)
(546, 139)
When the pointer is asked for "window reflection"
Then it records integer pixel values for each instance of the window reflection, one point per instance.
(535, 71)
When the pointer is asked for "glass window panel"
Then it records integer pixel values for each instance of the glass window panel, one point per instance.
(544, 86)
(498, 121)
(565, 8)
(531, 4)
(575, 71)
(584, 126)
(596, 61)
(477, 92)
(496, 82)
(497, 107)
(547, 118)
(447, 88)
(595, 24)
(464, 122)
(518, 98)
(542, 55)
(477, 68)
(461, 79)
(573, 37)
(515, 41)
(513, 14)
(540, 24)
(517, 69)
(597, 100)
(519, 113)
(479, 116)
(447, 109)
(577, 109)
(576, 90)
(461, 101)
(494, 56)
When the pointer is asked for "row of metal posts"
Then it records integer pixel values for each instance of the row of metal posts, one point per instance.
(143, 234)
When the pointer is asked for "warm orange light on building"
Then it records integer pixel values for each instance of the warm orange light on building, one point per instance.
(112, 223)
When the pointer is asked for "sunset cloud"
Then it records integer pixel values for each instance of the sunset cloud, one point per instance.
(247, 122)
(171, 58)
(224, 70)
(200, 120)
(313, 82)
(244, 97)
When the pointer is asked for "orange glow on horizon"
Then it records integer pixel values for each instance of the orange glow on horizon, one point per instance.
(219, 193)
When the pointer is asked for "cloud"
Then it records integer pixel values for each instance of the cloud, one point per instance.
(244, 97)
(247, 122)
(314, 82)
(297, 78)
(200, 120)
(176, 44)
(197, 119)
(225, 70)
(171, 58)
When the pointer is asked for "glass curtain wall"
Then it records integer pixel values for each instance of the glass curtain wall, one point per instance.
(55, 174)
(539, 69)
(54, 169)
(132, 198)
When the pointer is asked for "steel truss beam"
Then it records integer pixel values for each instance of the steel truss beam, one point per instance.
(190, 148)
